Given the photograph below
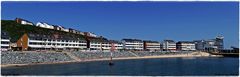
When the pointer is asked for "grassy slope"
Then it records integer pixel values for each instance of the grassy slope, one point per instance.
(16, 30)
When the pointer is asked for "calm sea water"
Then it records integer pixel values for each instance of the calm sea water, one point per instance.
(139, 67)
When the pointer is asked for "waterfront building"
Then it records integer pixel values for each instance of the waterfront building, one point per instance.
(186, 46)
(98, 44)
(22, 21)
(132, 44)
(210, 44)
(102, 44)
(151, 45)
(169, 45)
(117, 44)
(34, 41)
(5, 41)
(45, 25)
(219, 42)
(199, 44)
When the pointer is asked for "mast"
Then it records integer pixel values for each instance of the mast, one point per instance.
(112, 50)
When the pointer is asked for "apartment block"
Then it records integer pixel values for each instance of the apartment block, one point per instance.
(186, 46)
(169, 45)
(151, 45)
(5, 41)
(33, 41)
(132, 44)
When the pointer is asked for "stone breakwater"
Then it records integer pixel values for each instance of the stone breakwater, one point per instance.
(32, 57)
(98, 55)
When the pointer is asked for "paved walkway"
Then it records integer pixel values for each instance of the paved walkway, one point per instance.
(72, 56)
(133, 54)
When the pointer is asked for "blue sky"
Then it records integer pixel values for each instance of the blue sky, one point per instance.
(184, 21)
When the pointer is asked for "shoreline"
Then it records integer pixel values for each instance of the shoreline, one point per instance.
(104, 59)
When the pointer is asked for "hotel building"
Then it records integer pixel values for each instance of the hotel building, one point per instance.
(132, 44)
(168, 45)
(186, 46)
(151, 45)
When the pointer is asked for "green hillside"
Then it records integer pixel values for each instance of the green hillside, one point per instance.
(16, 30)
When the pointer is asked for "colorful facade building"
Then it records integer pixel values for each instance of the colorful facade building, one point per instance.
(151, 45)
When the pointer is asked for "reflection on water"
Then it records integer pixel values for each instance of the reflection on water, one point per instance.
(141, 67)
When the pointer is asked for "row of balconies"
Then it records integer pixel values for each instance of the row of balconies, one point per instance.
(56, 42)
(56, 46)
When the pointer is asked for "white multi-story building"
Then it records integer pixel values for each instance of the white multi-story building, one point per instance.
(47, 42)
(104, 44)
(22, 21)
(169, 45)
(100, 45)
(5, 41)
(151, 45)
(44, 25)
(132, 44)
(186, 46)
(117, 44)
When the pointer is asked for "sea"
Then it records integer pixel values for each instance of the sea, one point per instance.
(195, 66)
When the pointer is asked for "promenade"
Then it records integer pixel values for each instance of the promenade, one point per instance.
(52, 57)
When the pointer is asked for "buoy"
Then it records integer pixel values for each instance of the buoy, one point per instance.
(110, 64)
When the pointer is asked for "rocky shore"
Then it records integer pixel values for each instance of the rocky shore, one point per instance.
(31, 57)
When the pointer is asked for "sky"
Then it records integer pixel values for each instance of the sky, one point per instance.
(179, 21)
